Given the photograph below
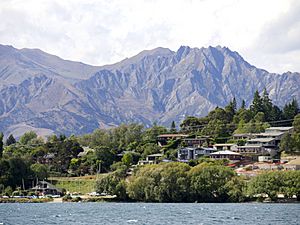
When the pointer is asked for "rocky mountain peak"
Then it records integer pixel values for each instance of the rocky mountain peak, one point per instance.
(43, 91)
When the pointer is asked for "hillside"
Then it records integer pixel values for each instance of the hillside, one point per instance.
(48, 94)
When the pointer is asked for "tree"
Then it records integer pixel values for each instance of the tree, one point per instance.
(127, 159)
(291, 109)
(243, 106)
(241, 128)
(173, 184)
(40, 171)
(208, 182)
(267, 105)
(275, 114)
(150, 134)
(173, 128)
(1, 144)
(10, 140)
(27, 137)
(236, 189)
(296, 123)
(230, 109)
(257, 104)
(18, 172)
(216, 128)
(160, 183)
(287, 143)
(268, 183)
(105, 156)
(291, 184)
(290, 143)
(191, 123)
(113, 184)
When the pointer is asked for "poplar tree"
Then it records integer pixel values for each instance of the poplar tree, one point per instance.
(1, 144)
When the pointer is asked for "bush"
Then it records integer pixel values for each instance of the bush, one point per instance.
(67, 198)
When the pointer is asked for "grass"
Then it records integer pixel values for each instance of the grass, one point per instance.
(83, 185)
(25, 200)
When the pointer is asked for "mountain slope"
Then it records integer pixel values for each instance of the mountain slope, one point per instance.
(44, 91)
(17, 65)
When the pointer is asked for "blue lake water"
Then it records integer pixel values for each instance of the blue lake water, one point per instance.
(149, 213)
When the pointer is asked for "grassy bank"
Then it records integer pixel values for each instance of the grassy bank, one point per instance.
(84, 185)
(25, 200)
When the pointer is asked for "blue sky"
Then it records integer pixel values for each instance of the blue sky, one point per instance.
(265, 32)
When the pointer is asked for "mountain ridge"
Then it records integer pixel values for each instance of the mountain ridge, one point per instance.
(158, 85)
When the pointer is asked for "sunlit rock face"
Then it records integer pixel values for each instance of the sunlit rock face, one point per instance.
(48, 94)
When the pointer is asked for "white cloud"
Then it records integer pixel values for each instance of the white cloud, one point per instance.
(106, 31)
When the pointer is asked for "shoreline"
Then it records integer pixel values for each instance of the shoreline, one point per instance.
(103, 200)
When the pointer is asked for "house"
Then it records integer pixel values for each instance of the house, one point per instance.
(251, 150)
(46, 188)
(264, 158)
(86, 150)
(164, 138)
(274, 134)
(265, 142)
(226, 154)
(48, 158)
(225, 146)
(151, 159)
(242, 136)
(188, 153)
(280, 129)
(258, 146)
(196, 142)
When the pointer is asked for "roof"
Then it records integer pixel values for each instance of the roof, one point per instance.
(261, 140)
(208, 149)
(225, 144)
(250, 146)
(195, 139)
(173, 135)
(155, 155)
(189, 148)
(226, 152)
(279, 128)
(271, 133)
(49, 186)
(242, 135)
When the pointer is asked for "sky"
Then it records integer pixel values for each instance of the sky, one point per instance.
(98, 32)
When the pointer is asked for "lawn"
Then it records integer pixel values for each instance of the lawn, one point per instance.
(84, 184)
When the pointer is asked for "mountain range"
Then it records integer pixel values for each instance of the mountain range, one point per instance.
(47, 94)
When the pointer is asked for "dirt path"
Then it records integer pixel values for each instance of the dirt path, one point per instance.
(57, 200)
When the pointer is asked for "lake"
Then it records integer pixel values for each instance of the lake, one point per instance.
(149, 213)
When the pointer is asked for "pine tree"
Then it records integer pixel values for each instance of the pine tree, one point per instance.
(173, 127)
(10, 140)
(291, 109)
(243, 106)
(267, 105)
(1, 144)
(231, 109)
(257, 104)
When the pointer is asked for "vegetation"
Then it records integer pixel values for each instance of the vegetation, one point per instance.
(290, 143)
(274, 183)
(114, 151)
(206, 182)
(81, 185)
